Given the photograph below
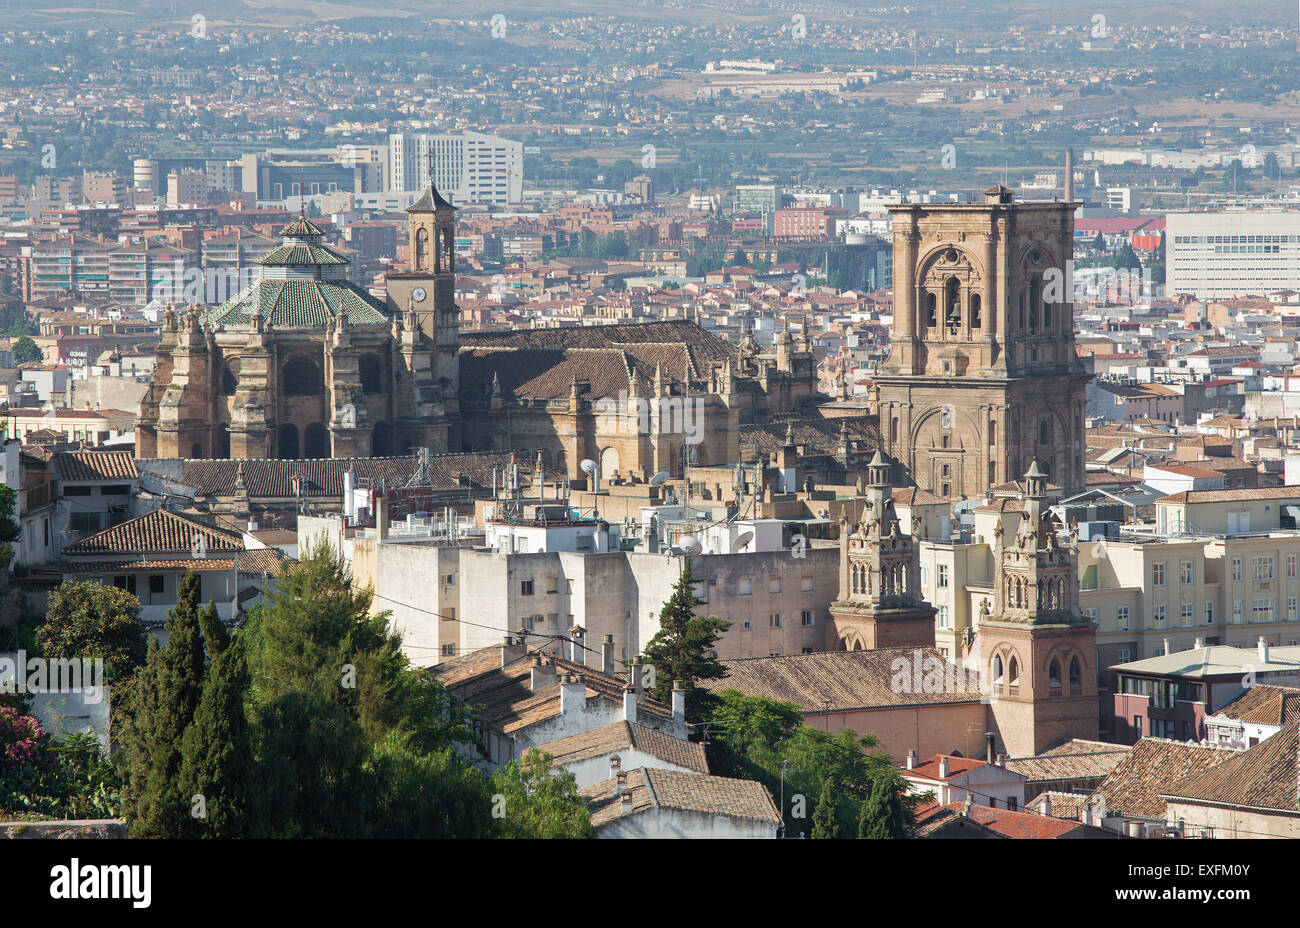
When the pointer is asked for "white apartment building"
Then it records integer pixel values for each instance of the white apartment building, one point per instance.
(1232, 253)
(467, 168)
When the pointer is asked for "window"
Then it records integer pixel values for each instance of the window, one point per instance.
(1091, 615)
(774, 620)
(943, 616)
(1209, 613)
(1125, 655)
(1236, 570)
(1238, 610)
(1187, 619)
(1185, 571)
(1158, 616)
(301, 377)
(1291, 566)
(448, 579)
(744, 587)
(806, 617)
(1121, 618)
(746, 625)
(156, 582)
(1291, 609)
(1158, 573)
(1263, 568)
(806, 584)
(1261, 610)
(943, 575)
(774, 585)
(526, 588)
(552, 585)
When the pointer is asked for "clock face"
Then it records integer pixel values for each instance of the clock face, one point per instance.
(418, 294)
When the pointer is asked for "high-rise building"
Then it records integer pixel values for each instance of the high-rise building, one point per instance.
(470, 168)
(982, 376)
(1222, 254)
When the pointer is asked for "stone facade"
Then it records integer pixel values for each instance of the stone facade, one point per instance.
(304, 364)
(880, 603)
(1039, 653)
(982, 375)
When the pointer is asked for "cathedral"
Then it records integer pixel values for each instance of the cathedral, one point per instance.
(982, 375)
(305, 364)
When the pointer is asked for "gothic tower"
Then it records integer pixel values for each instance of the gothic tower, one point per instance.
(982, 375)
(1038, 652)
(879, 604)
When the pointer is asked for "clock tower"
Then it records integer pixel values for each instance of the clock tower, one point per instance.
(424, 297)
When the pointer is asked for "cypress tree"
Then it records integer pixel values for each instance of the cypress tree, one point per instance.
(826, 814)
(216, 753)
(165, 694)
(873, 819)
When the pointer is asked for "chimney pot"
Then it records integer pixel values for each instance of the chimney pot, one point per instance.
(1262, 648)
(911, 758)
(1047, 803)
(1168, 650)
(607, 654)
(679, 701)
(636, 674)
(943, 766)
(629, 705)
(989, 746)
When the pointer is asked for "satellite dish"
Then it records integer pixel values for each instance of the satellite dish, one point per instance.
(588, 466)
(660, 478)
(690, 544)
(742, 539)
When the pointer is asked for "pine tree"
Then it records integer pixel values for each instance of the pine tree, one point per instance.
(216, 755)
(165, 694)
(682, 649)
(826, 814)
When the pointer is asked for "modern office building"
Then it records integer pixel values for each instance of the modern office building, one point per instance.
(468, 168)
(1231, 253)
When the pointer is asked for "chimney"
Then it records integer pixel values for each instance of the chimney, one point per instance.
(620, 782)
(679, 701)
(615, 767)
(381, 517)
(629, 705)
(1168, 650)
(577, 635)
(943, 766)
(989, 747)
(573, 694)
(1262, 647)
(542, 674)
(1002, 760)
(636, 674)
(1198, 644)
(607, 654)
(911, 758)
(511, 650)
(1087, 814)
(1069, 175)
(1047, 803)
(969, 805)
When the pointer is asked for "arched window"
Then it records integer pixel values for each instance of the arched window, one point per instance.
(302, 377)
(1013, 671)
(1054, 674)
(997, 670)
(1035, 298)
(223, 442)
(316, 441)
(371, 369)
(196, 451)
(952, 304)
(422, 249)
(1045, 432)
(893, 429)
(931, 310)
(1076, 673)
(976, 314)
(228, 382)
(608, 463)
(288, 444)
(380, 443)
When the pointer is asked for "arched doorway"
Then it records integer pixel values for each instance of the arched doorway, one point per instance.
(288, 443)
(316, 441)
(608, 463)
(381, 442)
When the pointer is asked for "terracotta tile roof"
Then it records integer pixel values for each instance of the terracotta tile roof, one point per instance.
(620, 736)
(689, 792)
(1021, 825)
(94, 465)
(156, 532)
(1151, 767)
(1224, 496)
(1064, 805)
(817, 436)
(929, 768)
(503, 698)
(1263, 777)
(1263, 704)
(1074, 760)
(99, 568)
(833, 680)
(945, 821)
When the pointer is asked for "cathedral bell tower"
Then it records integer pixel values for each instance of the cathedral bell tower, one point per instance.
(982, 375)
(1036, 652)
(879, 603)
(423, 299)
